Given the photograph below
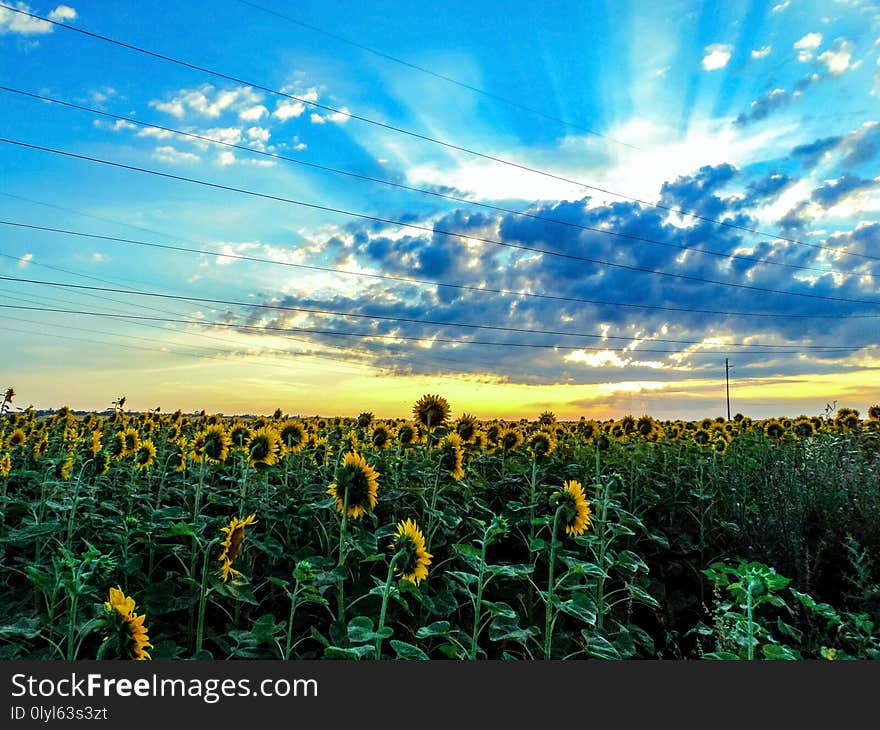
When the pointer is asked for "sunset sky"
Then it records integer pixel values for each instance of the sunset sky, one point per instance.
(702, 184)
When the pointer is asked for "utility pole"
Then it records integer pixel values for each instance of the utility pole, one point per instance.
(727, 384)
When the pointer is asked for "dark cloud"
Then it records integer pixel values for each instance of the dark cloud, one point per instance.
(762, 107)
(720, 192)
(810, 154)
(833, 191)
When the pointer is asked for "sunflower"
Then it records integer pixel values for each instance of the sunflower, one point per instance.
(628, 424)
(647, 427)
(542, 443)
(509, 439)
(702, 436)
(41, 446)
(360, 480)
(5, 465)
(264, 446)
(16, 438)
(232, 545)
(803, 427)
(381, 436)
(431, 411)
(100, 464)
(131, 441)
(874, 412)
(131, 634)
(575, 509)
(547, 418)
(321, 450)
(240, 434)
(294, 436)
(451, 456)
(774, 430)
(348, 441)
(364, 419)
(408, 435)
(587, 429)
(197, 448)
(466, 427)
(847, 418)
(145, 454)
(719, 445)
(95, 442)
(117, 445)
(413, 559)
(216, 443)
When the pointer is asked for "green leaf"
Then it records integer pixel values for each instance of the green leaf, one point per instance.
(642, 596)
(31, 531)
(466, 578)
(629, 561)
(438, 628)
(721, 656)
(598, 646)
(407, 651)
(264, 629)
(25, 628)
(581, 608)
(500, 609)
(360, 630)
(180, 529)
(367, 651)
(778, 652)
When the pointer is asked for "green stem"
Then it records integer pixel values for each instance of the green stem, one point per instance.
(340, 589)
(385, 595)
(203, 595)
(548, 612)
(478, 603)
(289, 641)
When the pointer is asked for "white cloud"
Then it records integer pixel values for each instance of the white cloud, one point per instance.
(253, 113)
(762, 52)
(717, 56)
(174, 107)
(340, 117)
(298, 145)
(210, 102)
(226, 158)
(166, 153)
(316, 118)
(98, 257)
(806, 45)
(287, 110)
(837, 58)
(116, 126)
(230, 135)
(781, 6)
(62, 13)
(259, 134)
(23, 261)
(662, 71)
(16, 23)
(155, 133)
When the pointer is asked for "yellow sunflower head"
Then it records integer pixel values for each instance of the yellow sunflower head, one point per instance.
(412, 557)
(574, 508)
(294, 436)
(466, 427)
(264, 447)
(431, 411)
(16, 438)
(543, 443)
(509, 439)
(361, 483)
(874, 412)
(145, 454)
(232, 545)
(408, 434)
(451, 456)
(5, 465)
(215, 443)
(126, 630)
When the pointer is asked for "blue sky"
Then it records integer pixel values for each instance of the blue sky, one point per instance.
(763, 119)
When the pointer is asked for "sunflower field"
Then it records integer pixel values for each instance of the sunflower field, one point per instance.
(442, 536)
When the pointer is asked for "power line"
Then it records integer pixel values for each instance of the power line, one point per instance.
(373, 335)
(407, 320)
(379, 219)
(417, 135)
(407, 279)
(434, 193)
(436, 75)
